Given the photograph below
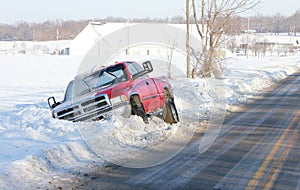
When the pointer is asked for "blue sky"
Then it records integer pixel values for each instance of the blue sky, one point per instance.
(13, 11)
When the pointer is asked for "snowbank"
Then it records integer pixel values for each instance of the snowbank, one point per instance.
(40, 152)
(244, 78)
(37, 151)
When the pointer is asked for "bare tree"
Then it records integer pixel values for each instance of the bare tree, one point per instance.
(69, 29)
(170, 51)
(297, 21)
(264, 46)
(278, 23)
(232, 44)
(215, 17)
(294, 23)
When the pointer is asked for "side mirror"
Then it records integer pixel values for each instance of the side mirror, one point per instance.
(147, 67)
(52, 102)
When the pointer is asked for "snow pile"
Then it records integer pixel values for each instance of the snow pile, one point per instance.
(244, 78)
(40, 152)
(132, 143)
(36, 150)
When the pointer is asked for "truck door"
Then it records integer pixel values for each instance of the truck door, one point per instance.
(145, 87)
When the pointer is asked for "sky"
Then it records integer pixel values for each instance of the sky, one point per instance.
(13, 11)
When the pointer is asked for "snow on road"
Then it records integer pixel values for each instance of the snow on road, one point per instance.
(37, 151)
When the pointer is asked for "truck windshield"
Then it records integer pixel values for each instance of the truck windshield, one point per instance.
(100, 79)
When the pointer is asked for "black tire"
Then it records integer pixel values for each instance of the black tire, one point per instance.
(170, 114)
(138, 108)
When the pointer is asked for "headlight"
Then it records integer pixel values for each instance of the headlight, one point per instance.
(118, 100)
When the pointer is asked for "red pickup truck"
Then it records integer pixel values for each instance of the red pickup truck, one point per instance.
(94, 96)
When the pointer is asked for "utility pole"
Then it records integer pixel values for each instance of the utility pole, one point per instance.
(248, 28)
(128, 36)
(188, 49)
(57, 34)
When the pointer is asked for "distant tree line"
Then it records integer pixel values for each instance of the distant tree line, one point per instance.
(63, 29)
(46, 31)
(68, 29)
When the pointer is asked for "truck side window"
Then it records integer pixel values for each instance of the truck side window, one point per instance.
(131, 68)
(134, 68)
(138, 67)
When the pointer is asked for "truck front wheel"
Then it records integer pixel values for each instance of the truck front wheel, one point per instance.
(138, 109)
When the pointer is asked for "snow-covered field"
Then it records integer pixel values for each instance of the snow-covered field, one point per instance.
(37, 151)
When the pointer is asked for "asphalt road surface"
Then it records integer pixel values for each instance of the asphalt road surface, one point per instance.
(257, 148)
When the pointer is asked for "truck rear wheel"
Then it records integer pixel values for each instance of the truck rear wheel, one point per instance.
(170, 114)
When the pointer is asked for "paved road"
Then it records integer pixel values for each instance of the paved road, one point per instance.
(258, 148)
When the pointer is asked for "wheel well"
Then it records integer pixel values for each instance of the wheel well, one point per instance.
(135, 98)
(168, 94)
(135, 101)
